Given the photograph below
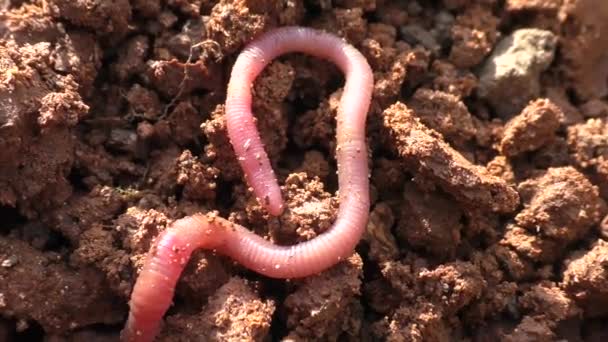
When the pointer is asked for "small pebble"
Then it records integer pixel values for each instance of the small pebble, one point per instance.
(10, 261)
(122, 140)
(594, 109)
(22, 325)
(415, 34)
(510, 77)
(414, 8)
(604, 228)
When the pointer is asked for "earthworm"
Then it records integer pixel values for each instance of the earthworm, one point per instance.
(154, 288)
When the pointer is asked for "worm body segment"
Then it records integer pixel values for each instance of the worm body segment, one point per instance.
(154, 288)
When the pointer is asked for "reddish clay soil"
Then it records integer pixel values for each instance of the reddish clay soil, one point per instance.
(488, 136)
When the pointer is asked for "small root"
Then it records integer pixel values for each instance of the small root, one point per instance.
(214, 47)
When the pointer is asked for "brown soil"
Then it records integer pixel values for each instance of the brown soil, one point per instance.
(488, 134)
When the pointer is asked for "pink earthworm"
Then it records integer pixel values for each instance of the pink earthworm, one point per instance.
(154, 288)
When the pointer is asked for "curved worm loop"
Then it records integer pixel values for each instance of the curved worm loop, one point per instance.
(155, 285)
(240, 122)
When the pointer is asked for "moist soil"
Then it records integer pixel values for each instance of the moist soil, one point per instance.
(488, 145)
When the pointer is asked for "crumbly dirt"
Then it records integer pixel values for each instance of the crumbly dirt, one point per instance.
(488, 133)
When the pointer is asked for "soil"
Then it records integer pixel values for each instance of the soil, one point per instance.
(488, 136)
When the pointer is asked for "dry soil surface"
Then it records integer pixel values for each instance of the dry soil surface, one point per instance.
(488, 136)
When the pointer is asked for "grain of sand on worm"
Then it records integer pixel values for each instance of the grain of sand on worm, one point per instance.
(154, 288)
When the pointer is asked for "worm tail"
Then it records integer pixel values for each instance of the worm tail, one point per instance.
(154, 289)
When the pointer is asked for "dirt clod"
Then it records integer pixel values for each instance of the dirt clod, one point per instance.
(42, 288)
(474, 34)
(326, 306)
(561, 206)
(585, 278)
(425, 151)
(534, 127)
(234, 312)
